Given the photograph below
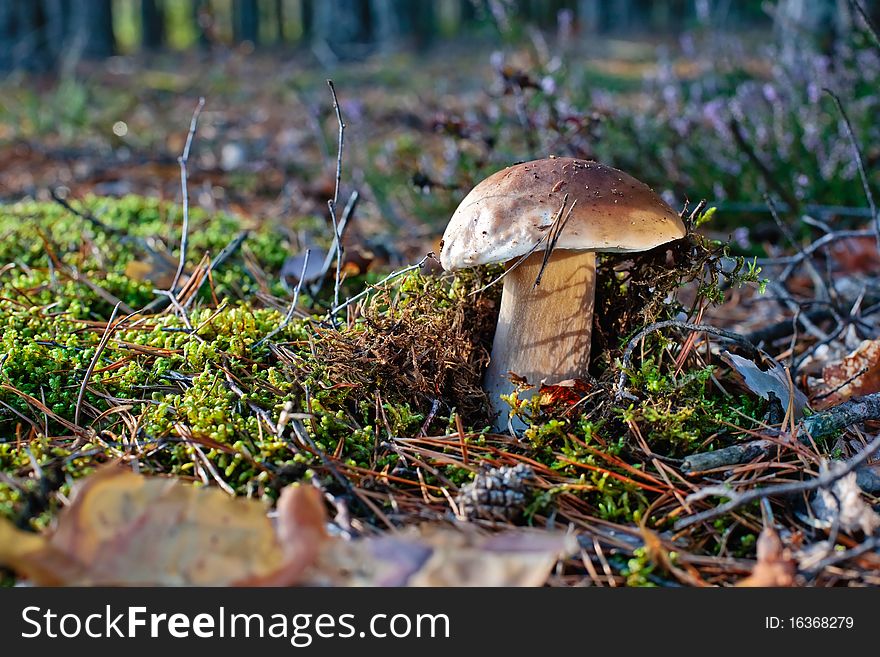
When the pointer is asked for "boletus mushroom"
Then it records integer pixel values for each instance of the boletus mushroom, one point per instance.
(514, 216)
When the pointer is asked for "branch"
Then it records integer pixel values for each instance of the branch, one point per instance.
(292, 308)
(182, 160)
(394, 274)
(766, 174)
(108, 330)
(822, 424)
(331, 204)
(857, 154)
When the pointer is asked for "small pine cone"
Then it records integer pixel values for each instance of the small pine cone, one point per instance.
(496, 494)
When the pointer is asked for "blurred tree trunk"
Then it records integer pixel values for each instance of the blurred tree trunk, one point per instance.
(152, 25)
(246, 21)
(400, 22)
(620, 15)
(57, 15)
(342, 26)
(589, 16)
(92, 28)
(278, 17)
(203, 17)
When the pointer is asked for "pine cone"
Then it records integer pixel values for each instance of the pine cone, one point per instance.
(496, 494)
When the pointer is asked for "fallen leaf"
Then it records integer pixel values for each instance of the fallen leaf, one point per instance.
(775, 566)
(428, 556)
(774, 380)
(125, 529)
(856, 254)
(857, 374)
(564, 393)
(302, 533)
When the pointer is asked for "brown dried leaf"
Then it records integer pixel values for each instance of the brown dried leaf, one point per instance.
(857, 374)
(856, 254)
(125, 529)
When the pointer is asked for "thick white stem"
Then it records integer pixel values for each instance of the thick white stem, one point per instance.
(544, 333)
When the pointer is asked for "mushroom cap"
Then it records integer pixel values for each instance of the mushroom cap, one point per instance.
(505, 215)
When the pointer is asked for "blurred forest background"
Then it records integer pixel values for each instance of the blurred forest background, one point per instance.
(437, 93)
(767, 110)
(37, 34)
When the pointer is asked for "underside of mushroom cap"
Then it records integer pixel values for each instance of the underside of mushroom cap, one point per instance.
(509, 212)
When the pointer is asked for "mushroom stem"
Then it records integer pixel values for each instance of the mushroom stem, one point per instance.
(543, 334)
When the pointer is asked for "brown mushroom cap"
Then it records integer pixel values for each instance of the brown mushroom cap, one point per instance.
(505, 215)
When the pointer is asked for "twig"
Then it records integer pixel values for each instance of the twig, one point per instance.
(784, 229)
(857, 153)
(526, 255)
(784, 328)
(392, 275)
(343, 224)
(768, 176)
(725, 457)
(808, 208)
(626, 360)
(556, 229)
(105, 338)
(792, 261)
(292, 308)
(862, 371)
(867, 545)
(182, 161)
(337, 247)
(340, 140)
(824, 480)
(819, 425)
(230, 248)
(868, 22)
(87, 216)
(224, 255)
(331, 204)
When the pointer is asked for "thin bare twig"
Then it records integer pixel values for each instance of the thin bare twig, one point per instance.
(182, 161)
(292, 308)
(347, 213)
(392, 275)
(525, 256)
(872, 29)
(860, 162)
(222, 257)
(331, 204)
(769, 178)
(786, 231)
(340, 140)
(105, 338)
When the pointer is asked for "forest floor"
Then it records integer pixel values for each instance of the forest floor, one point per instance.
(724, 433)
